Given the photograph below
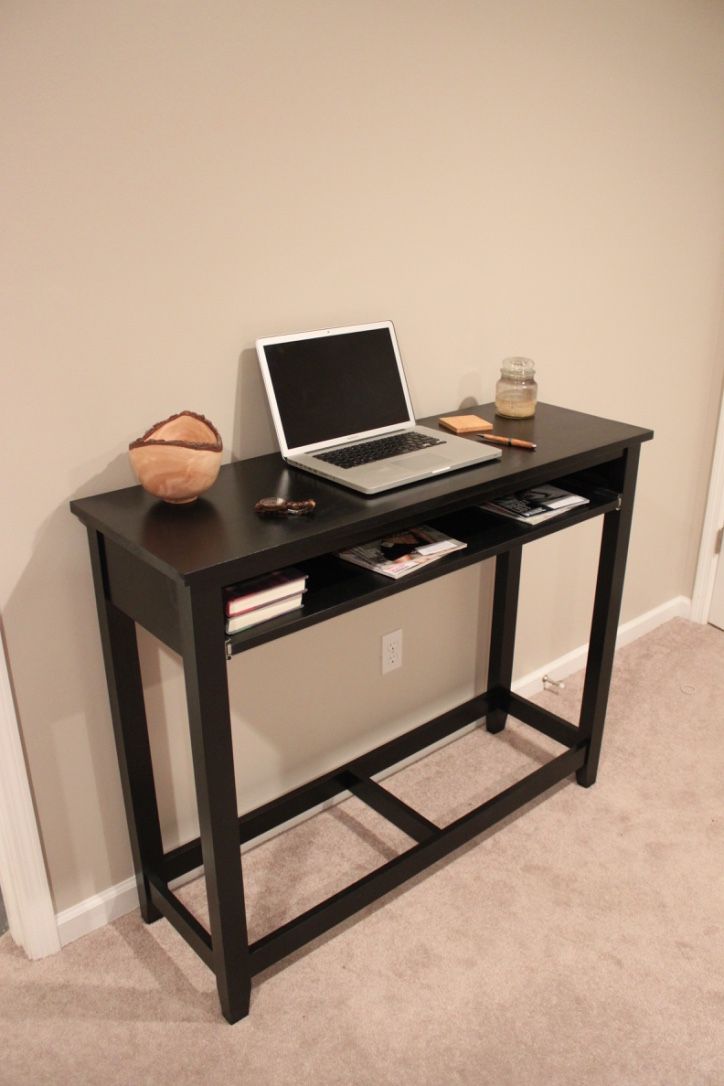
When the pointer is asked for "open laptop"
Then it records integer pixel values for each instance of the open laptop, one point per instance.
(336, 394)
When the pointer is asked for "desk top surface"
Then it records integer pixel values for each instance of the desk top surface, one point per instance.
(219, 536)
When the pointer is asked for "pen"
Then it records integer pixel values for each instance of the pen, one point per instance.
(498, 439)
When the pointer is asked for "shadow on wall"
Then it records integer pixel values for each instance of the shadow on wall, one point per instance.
(50, 620)
(3, 917)
(65, 719)
(253, 433)
(51, 632)
(51, 624)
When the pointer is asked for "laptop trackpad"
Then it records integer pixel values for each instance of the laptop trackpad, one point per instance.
(418, 464)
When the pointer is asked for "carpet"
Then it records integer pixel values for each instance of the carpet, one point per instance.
(581, 941)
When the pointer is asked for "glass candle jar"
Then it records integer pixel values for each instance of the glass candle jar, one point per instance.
(516, 392)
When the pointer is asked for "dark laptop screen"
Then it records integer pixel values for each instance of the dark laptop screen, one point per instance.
(330, 386)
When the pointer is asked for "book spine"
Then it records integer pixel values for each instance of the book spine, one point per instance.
(261, 614)
(246, 601)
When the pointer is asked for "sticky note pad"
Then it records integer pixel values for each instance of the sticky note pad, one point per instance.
(465, 424)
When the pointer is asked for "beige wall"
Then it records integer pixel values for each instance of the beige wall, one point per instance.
(497, 177)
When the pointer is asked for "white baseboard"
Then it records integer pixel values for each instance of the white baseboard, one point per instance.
(530, 684)
(97, 910)
(100, 909)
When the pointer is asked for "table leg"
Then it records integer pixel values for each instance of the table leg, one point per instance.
(128, 712)
(604, 624)
(502, 632)
(202, 634)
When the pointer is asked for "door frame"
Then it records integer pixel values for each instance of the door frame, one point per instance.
(23, 877)
(709, 558)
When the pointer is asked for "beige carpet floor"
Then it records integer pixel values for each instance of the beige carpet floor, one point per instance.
(582, 942)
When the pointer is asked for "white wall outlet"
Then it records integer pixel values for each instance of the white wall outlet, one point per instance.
(391, 651)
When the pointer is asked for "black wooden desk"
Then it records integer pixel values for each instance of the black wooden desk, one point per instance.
(165, 566)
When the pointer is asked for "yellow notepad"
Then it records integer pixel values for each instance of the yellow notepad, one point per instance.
(465, 424)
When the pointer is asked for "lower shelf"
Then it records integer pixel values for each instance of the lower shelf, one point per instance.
(432, 842)
(285, 940)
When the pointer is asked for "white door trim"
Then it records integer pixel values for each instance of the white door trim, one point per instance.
(23, 878)
(713, 518)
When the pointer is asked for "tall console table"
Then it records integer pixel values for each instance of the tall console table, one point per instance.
(165, 567)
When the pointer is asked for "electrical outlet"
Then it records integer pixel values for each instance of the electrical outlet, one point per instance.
(391, 651)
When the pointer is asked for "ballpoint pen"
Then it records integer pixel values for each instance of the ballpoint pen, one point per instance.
(498, 439)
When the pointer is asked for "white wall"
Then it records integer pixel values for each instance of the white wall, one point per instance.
(498, 177)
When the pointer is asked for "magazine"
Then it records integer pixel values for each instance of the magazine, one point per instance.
(401, 553)
(535, 505)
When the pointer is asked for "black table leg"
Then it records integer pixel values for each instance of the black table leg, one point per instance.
(502, 634)
(128, 712)
(604, 625)
(202, 634)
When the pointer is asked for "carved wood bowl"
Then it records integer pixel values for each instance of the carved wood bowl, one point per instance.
(179, 458)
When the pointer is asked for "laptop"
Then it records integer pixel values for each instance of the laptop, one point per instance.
(341, 409)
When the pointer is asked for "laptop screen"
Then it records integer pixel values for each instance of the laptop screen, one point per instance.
(334, 384)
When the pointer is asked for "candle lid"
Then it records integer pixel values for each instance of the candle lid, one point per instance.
(518, 367)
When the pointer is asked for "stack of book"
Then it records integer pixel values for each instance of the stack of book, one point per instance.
(403, 553)
(536, 505)
(266, 597)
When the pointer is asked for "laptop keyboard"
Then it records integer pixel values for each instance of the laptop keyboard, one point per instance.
(352, 456)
